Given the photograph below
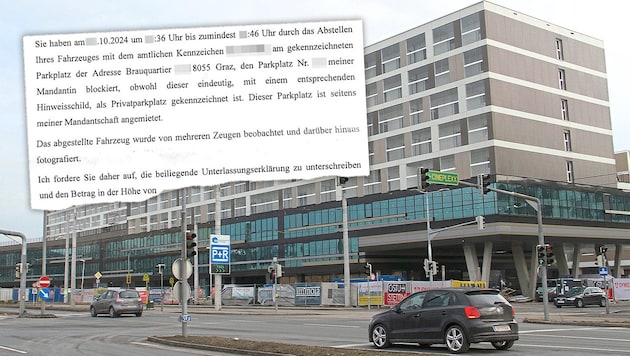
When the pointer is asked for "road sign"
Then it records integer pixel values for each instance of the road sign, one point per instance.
(220, 269)
(603, 271)
(44, 294)
(437, 177)
(98, 275)
(186, 318)
(182, 271)
(44, 282)
(146, 278)
(220, 254)
(177, 291)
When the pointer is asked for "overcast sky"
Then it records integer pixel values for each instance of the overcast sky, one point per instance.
(381, 19)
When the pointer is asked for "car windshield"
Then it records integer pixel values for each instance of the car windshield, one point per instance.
(129, 294)
(575, 291)
(486, 298)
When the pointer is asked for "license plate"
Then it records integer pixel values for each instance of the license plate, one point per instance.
(560, 301)
(501, 328)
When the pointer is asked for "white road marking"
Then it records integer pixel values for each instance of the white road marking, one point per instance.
(333, 325)
(13, 350)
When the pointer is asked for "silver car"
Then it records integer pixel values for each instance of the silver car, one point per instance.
(115, 303)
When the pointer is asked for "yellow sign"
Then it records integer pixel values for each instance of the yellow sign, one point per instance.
(146, 277)
(128, 279)
(171, 281)
(468, 284)
(98, 275)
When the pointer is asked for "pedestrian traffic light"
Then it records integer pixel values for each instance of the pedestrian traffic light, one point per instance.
(551, 259)
(424, 177)
(368, 269)
(485, 183)
(272, 272)
(542, 258)
(191, 244)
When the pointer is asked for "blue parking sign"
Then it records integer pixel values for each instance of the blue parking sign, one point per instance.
(220, 254)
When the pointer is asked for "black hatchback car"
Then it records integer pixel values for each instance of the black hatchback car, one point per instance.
(456, 317)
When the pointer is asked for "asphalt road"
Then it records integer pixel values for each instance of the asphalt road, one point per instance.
(74, 332)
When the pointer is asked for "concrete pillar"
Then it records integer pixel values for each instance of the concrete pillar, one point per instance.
(561, 258)
(520, 264)
(577, 258)
(472, 263)
(618, 269)
(487, 262)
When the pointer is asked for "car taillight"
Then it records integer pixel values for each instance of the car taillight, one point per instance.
(472, 312)
(117, 298)
(513, 313)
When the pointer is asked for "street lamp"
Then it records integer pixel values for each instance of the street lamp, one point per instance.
(82, 275)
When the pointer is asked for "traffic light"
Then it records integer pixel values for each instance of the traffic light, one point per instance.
(542, 255)
(159, 268)
(485, 183)
(434, 267)
(424, 177)
(18, 270)
(278, 270)
(191, 244)
(368, 269)
(343, 180)
(272, 272)
(549, 254)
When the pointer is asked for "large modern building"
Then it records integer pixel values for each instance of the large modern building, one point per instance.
(484, 90)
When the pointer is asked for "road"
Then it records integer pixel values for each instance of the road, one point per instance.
(76, 333)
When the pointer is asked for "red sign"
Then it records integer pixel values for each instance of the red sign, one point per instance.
(44, 282)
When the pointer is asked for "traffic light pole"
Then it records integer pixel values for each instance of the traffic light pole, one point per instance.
(182, 261)
(22, 295)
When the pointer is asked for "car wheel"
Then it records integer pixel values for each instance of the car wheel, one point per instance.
(558, 305)
(503, 345)
(92, 311)
(456, 340)
(602, 303)
(579, 303)
(112, 313)
(380, 336)
(139, 314)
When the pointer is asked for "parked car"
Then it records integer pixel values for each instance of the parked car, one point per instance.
(456, 317)
(551, 290)
(580, 297)
(115, 303)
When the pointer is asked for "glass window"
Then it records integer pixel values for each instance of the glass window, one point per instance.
(564, 109)
(392, 88)
(471, 29)
(473, 62)
(372, 119)
(391, 57)
(559, 49)
(570, 173)
(476, 95)
(443, 38)
(393, 179)
(447, 163)
(390, 118)
(480, 162)
(450, 135)
(371, 94)
(395, 147)
(478, 128)
(306, 194)
(562, 83)
(371, 151)
(418, 79)
(372, 183)
(416, 49)
(421, 142)
(567, 140)
(415, 111)
(370, 65)
(442, 72)
(444, 104)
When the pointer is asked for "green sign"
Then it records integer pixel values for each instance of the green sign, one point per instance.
(437, 177)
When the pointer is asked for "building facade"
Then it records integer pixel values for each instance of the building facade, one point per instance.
(483, 90)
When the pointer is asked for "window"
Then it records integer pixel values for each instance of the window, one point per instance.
(395, 148)
(450, 135)
(559, 49)
(443, 39)
(391, 58)
(393, 178)
(473, 62)
(444, 104)
(390, 118)
(442, 72)
(372, 183)
(480, 162)
(372, 119)
(564, 109)
(476, 95)
(421, 142)
(306, 194)
(416, 49)
(562, 79)
(567, 140)
(415, 111)
(370, 65)
(447, 163)
(471, 29)
(371, 152)
(570, 173)
(392, 88)
(418, 79)
(371, 94)
(477, 128)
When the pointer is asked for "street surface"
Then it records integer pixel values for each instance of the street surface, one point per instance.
(76, 333)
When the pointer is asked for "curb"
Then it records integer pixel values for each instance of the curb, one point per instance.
(236, 351)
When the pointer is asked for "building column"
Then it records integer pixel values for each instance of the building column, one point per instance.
(487, 262)
(577, 258)
(520, 264)
(561, 257)
(470, 253)
(618, 269)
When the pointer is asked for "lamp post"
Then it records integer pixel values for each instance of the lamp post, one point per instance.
(82, 274)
